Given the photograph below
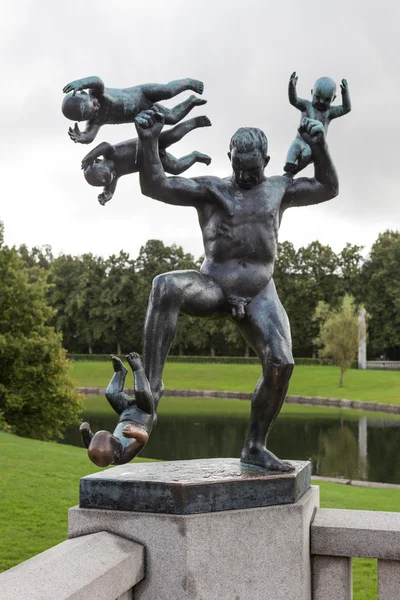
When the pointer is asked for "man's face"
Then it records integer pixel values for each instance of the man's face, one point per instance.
(248, 168)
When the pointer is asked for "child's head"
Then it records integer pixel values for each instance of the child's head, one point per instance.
(324, 93)
(104, 449)
(80, 106)
(100, 173)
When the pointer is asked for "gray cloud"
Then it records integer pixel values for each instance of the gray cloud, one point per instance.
(245, 53)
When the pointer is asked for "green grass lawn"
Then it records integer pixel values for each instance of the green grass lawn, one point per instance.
(372, 386)
(39, 481)
(230, 408)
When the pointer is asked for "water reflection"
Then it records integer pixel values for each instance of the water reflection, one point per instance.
(365, 448)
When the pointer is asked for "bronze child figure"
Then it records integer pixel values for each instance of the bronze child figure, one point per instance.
(136, 418)
(126, 158)
(320, 109)
(100, 105)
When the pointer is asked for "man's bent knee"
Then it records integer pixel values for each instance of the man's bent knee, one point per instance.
(164, 289)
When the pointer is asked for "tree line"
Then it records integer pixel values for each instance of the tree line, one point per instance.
(99, 304)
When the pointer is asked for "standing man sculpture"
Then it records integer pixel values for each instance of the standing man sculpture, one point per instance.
(239, 217)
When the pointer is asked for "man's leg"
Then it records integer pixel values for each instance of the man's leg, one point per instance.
(266, 329)
(156, 92)
(188, 291)
(174, 135)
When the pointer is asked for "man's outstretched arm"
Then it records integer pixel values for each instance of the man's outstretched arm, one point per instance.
(153, 181)
(325, 184)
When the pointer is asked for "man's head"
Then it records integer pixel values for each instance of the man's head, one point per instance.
(104, 449)
(248, 154)
(80, 106)
(324, 93)
(100, 173)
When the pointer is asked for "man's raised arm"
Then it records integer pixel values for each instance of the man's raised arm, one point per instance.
(325, 184)
(153, 181)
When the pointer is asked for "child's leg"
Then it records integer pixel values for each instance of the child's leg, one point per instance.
(174, 135)
(177, 113)
(143, 396)
(176, 166)
(158, 91)
(114, 391)
(293, 155)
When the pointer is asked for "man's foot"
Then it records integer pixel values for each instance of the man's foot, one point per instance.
(134, 361)
(118, 365)
(196, 86)
(202, 121)
(139, 434)
(202, 158)
(259, 456)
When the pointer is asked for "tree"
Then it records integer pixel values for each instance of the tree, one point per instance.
(381, 285)
(37, 398)
(339, 332)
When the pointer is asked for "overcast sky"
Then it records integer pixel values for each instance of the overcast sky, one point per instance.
(244, 52)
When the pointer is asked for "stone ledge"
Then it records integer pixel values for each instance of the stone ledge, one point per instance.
(358, 533)
(100, 566)
(192, 487)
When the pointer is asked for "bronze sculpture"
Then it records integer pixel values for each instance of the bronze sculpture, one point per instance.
(126, 158)
(136, 418)
(239, 217)
(100, 105)
(323, 94)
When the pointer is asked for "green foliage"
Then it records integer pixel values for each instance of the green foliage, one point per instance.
(339, 332)
(381, 284)
(370, 386)
(37, 398)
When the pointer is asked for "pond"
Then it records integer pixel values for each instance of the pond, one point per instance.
(338, 443)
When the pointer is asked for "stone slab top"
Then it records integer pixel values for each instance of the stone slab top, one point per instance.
(192, 486)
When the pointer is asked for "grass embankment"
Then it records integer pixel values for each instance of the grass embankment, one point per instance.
(371, 386)
(39, 482)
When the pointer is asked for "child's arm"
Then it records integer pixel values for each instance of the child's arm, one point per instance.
(108, 192)
(87, 83)
(104, 149)
(339, 111)
(84, 137)
(292, 91)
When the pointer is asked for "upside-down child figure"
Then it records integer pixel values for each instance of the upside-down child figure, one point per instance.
(136, 418)
(126, 158)
(320, 109)
(100, 105)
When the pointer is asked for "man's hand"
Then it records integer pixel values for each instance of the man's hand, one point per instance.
(293, 79)
(344, 86)
(312, 131)
(149, 124)
(74, 86)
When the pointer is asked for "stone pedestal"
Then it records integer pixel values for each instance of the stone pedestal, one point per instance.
(221, 553)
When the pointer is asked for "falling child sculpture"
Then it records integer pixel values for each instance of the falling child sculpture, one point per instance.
(320, 109)
(126, 158)
(136, 418)
(100, 105)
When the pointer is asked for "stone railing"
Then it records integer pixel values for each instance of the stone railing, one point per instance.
(339, 535)
(391, 365)
(100, 566)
